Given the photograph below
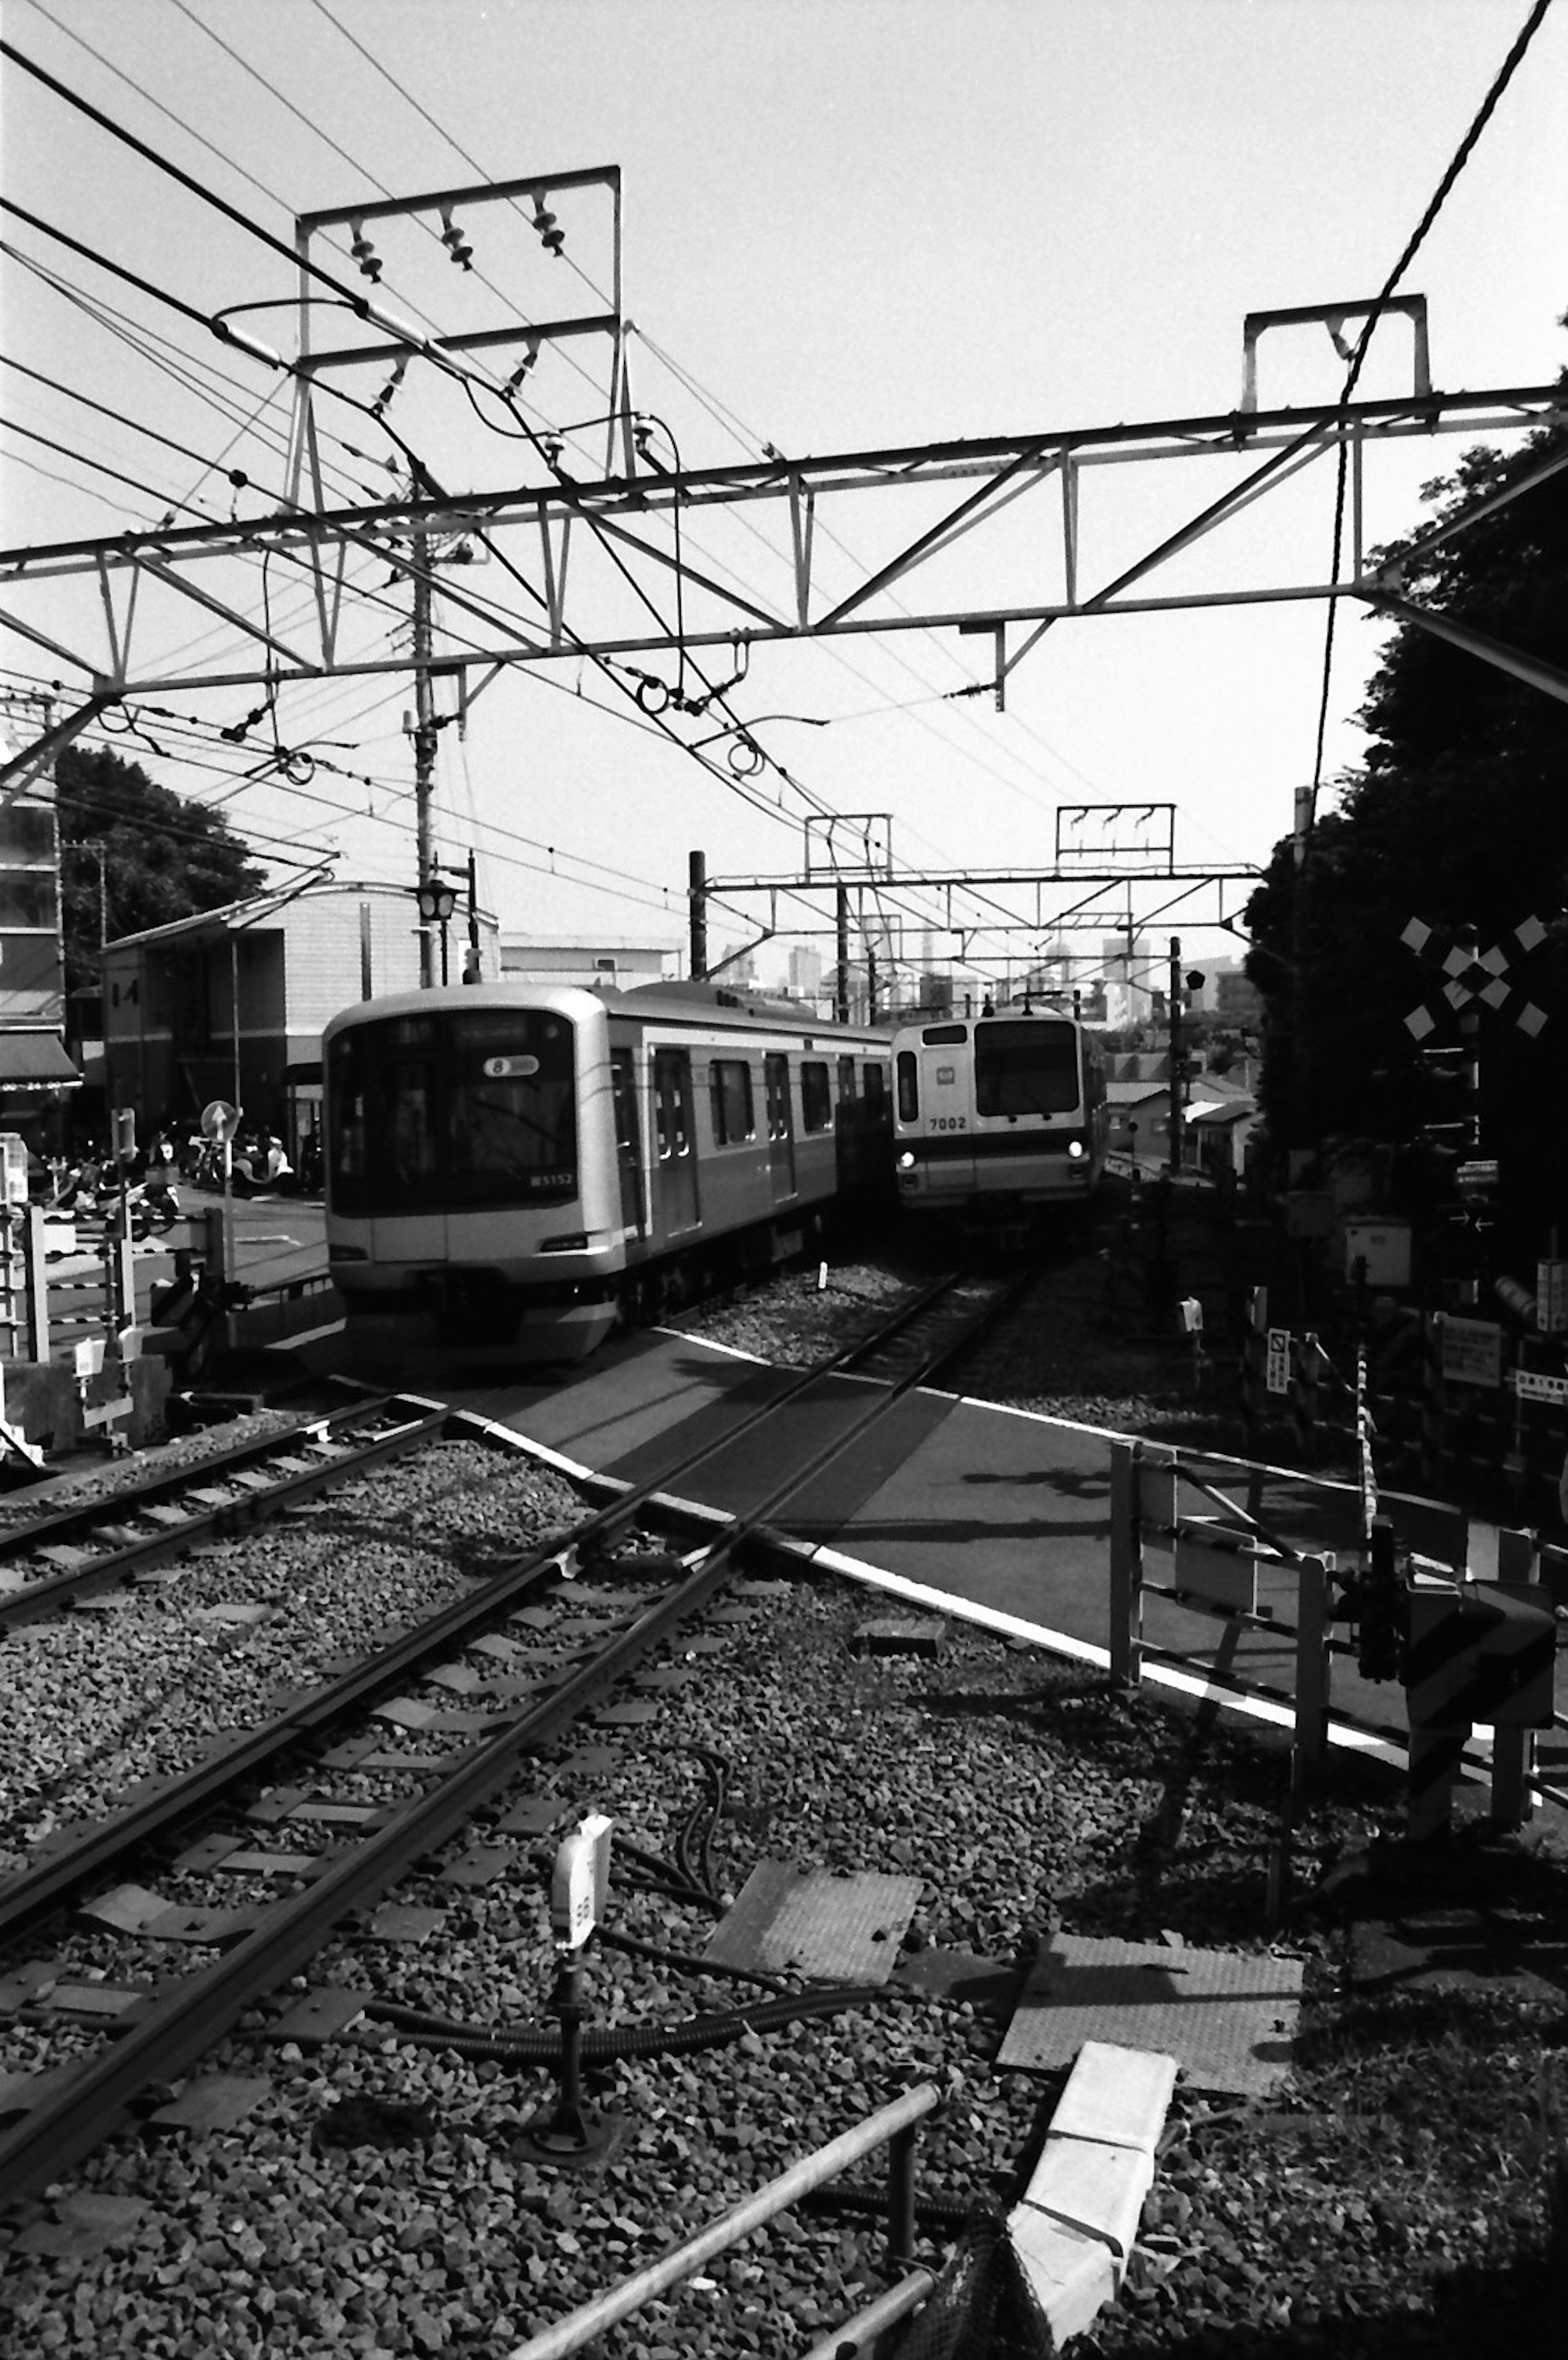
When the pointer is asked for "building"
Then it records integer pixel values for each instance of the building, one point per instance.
(621, 966)
(230, 1004)
(36, 1077)
(1236, 1001)
(804, 971)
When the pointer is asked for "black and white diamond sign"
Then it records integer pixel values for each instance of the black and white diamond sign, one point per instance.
(1472, 974)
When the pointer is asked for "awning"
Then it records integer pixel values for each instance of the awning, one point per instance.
(35, 1061)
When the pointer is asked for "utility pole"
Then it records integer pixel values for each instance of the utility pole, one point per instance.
(696, 895)
(1173, 1011)
(841, 991)
(424, 741)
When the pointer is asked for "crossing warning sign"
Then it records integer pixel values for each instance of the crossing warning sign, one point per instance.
(1484, 1652)
(1276, 1363)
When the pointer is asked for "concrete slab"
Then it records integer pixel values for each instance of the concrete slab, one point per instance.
(1227, 2019)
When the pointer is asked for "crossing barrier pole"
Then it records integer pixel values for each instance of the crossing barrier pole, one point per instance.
(1304, 1350)
(1434, 1400)
(1312, 1670)
(1126, 1568)
(1255, 1360)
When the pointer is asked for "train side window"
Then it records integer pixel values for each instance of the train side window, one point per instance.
(816, 1098)
(775, 1082)
(875, 1082)
(908, 1086)
(846, 1078)
(671, 1103)
(729, 1079)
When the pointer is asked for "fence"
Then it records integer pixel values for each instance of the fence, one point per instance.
(68, 1304)
(1467, 1652)
(1451, 1402)
(894, 2125)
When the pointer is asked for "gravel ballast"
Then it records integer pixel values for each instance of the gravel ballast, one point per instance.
(1393, 2196)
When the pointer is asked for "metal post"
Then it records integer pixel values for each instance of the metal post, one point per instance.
(35, 1283)
(901, 2157)
(1313, 1663)
(1173, 1013)
(697, 902)
(841, 991)
(1126, 1567)
(424, 737)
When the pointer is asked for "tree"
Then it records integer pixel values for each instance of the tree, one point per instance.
(162, 857)
(1458, 816)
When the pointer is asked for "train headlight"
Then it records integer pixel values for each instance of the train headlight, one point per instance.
(906, 1161)
(1075, 1147)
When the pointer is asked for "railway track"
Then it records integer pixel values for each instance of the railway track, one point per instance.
(51, 1562)
(531, 1654)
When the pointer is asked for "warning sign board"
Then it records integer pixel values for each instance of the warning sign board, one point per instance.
(1472, 1352)
(1276, 1364)
(1531, 1387)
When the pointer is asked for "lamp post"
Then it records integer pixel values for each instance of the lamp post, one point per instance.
(436, 902)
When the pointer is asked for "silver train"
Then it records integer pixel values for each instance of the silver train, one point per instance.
(999, 1115)
(512, 1168)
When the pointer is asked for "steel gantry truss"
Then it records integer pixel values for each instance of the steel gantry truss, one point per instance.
(545, 521)
(616, 518)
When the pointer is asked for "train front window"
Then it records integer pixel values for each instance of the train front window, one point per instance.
(1028, 1068)
(453, 1112)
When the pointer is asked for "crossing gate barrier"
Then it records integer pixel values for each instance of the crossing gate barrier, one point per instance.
(1476, 1651)
(1216, 1550)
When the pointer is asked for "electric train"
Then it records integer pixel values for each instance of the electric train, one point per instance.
(511, 1168)
(999, 1115)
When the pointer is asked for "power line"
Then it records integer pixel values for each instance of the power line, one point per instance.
(1457, 162)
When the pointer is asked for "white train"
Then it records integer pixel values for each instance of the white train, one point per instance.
(512, 1167)
(999, 1113)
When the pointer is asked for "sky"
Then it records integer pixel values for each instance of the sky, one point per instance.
(846, 226)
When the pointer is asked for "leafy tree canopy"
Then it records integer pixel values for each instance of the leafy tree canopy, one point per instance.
(1458, 816)
(163, 857)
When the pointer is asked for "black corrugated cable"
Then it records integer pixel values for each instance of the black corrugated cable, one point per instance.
(603, 2044)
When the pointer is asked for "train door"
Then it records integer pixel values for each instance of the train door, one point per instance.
(628, 1146)
(944, 1100)
(676, 1181)
(781, 1126)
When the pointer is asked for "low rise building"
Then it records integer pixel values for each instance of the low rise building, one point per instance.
(230, 1004)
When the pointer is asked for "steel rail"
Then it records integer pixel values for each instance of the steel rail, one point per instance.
(79, 1515)
(52, 1591)
(44, 1887)
(184, 2022)
(181, 2024)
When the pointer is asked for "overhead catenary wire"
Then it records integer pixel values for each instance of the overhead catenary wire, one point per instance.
(1456, 164)
(355, 302)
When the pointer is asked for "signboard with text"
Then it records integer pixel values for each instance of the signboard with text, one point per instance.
(1472, 1352)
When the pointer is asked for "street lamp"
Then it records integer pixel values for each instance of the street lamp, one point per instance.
(436, 902)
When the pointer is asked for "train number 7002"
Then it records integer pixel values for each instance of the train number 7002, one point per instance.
(950, 1123)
